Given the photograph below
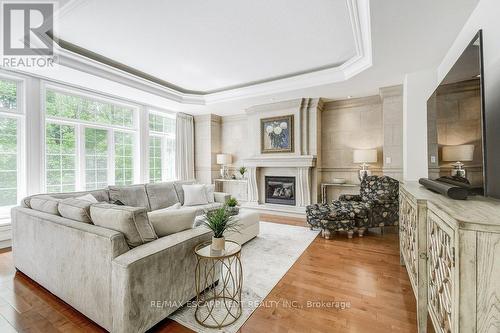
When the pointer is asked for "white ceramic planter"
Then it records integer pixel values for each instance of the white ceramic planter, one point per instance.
(218, 244)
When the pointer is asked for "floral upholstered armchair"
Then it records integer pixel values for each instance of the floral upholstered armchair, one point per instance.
(377, 205)
(380, 195)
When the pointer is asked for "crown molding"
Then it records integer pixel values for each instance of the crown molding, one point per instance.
(351, 103)
(359, 14)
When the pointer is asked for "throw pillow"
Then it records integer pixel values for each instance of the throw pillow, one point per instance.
(210, 189)
(46, 204)
(131, 221)
(169, 221)
(194, 195)
(75, 209)
(88, 197)
(174, 207)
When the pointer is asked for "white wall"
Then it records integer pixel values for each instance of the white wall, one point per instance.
(419, 86)
(417, 89)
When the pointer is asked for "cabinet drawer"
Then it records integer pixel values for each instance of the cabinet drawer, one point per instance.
(441, 274)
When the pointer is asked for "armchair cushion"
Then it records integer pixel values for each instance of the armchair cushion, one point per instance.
(379, 190)
(349, 197)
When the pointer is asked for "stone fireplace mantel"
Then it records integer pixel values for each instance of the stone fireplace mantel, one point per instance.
(296, 166)
(307, 161)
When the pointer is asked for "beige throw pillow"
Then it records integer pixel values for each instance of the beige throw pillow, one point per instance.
(131, 221)
(194, 195)
(75, 209)
(88, 197)
(46, 204)
(170, 220)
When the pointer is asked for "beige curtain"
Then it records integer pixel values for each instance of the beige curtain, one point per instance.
(184, 147)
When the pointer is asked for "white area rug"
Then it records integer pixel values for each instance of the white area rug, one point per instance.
(265, 260)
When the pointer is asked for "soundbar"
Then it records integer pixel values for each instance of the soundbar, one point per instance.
(446, 189)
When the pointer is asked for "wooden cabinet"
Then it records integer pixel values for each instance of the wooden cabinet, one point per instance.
(451, 250)
(413, 249)
(441, 273)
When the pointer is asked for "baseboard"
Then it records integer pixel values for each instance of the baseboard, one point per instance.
(5, 236)
(5, 243)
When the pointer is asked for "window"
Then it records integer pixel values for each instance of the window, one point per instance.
(155, 159)
(96, 158)
(124, 158)
(8, 95)
(8, 161)
(161, 147)
(11, 152)
(60, 157)
(90, 143)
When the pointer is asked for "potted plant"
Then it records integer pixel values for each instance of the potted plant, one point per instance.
(219, 221)
(242, 171)
(232, 206)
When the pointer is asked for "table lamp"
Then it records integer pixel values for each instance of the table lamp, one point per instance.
(458, 154)
(224, 160)
(364, 156)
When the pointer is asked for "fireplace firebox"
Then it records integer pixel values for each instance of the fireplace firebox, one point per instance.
(280, 190)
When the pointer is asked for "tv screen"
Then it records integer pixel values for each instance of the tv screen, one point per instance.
(455, 121)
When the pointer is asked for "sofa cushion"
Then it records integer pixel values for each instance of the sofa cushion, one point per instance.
(131, 195)
(180, 191)
(45, 203)
(99, 195)
(169, 220)
(131, 221)
(195, 194)
(161, 195)
(75, 209)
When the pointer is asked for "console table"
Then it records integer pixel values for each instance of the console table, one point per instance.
(324, 188)
(238, 188)
(450, 249)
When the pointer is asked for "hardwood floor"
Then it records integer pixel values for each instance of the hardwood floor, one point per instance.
(362, 274)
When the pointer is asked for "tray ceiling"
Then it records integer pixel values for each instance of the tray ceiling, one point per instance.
(203, 47)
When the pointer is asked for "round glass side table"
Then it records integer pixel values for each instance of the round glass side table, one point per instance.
(219, 278)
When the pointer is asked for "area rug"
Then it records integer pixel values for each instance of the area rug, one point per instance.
(265, 260)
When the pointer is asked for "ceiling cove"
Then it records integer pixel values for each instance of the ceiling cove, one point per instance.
(76, 57)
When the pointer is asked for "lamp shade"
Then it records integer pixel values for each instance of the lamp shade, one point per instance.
(364, 156)
(224, 159)
(459, 153)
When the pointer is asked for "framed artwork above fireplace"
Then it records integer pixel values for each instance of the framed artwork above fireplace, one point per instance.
(276, 134)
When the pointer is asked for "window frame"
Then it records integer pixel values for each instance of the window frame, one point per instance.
(19, 114)
(163, 136)
(80, 126)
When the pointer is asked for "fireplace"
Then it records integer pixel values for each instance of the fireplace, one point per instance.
(280, 190)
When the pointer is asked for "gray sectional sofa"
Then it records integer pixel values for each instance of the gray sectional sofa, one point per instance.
(95, 269)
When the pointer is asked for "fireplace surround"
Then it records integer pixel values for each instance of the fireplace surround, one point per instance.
(280, 190)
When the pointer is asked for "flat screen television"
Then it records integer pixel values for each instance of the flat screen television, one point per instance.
(456, 121)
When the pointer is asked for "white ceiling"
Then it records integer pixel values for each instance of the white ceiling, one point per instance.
(406, 36)
(208, 46)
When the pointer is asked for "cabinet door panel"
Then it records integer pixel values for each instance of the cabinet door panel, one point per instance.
(408, 238)
(441, 270)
